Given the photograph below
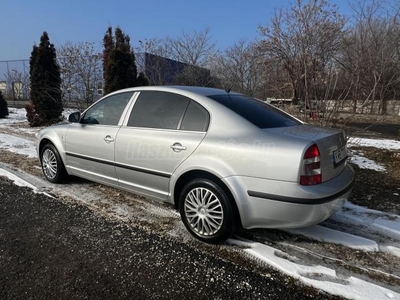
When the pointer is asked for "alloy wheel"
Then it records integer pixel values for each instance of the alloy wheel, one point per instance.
(203, 211)
(49, 164)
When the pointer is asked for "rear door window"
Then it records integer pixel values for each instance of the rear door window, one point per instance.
(154, 109)
(196, 118)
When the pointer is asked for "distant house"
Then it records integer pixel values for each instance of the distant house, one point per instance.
(3, 87)
(18, 90)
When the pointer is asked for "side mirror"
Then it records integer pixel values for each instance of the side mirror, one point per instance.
(74, 117)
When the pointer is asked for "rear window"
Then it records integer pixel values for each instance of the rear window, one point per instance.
(257, 112)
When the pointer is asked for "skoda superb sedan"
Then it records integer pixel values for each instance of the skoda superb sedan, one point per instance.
(223, 159)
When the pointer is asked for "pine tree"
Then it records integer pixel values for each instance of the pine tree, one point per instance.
(108, 44)
(3, 107)
(118, 61)
(142, 80)
(45, 83)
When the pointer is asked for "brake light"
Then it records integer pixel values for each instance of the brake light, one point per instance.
(311, 167)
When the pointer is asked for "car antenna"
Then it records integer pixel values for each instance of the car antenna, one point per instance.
(228, 90)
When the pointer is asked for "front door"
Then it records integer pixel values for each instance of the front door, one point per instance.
(90, 144)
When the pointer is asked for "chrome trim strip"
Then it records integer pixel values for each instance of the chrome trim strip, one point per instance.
(143, 170)
(118, 165)
(98, 160)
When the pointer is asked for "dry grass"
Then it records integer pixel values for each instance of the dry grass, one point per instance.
(27, 164)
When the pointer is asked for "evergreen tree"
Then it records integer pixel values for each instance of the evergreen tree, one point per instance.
(142, 80)
(45, 82)
(108, 44)
(3, 107)
(118, 61)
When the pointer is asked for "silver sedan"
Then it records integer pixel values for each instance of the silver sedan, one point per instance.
(223, 159)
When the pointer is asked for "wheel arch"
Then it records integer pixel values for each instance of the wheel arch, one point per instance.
(57, 143)
(197, 174)
(43, 143)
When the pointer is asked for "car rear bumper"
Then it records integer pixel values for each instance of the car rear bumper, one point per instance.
(274, 204)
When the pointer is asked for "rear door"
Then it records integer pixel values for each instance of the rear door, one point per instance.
(90, 143)
(163, 129)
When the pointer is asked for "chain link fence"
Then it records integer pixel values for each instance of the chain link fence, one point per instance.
(14, 80)
(78, 91)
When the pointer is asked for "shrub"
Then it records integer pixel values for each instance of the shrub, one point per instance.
(33, 118)
(3, 106)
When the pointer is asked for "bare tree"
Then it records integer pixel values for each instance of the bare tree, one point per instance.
(195, 50)
(303, 41)
(241, 68)
(192, 48)
(371, 53)
(177, 60)
(81, 73)
(19, 82)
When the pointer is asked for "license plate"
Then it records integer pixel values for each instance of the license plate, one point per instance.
(339, 155)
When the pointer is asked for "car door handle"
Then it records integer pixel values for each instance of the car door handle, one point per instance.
(177, 147)
(108, 139)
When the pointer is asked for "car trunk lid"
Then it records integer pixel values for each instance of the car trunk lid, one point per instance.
(331, 144)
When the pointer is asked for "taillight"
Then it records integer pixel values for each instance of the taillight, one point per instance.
(311, 167)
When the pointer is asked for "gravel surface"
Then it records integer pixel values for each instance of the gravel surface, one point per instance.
(53, 250)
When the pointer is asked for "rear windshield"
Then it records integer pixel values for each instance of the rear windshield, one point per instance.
(257, 112)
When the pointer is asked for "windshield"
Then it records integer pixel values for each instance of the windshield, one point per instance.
(257, 112)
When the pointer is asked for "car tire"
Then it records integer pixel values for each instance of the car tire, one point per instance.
(52, 165)
(206, 211)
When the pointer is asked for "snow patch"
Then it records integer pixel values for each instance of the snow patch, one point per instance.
(373, 219)
(376, 143)
(392, 226)
(16, 115)
(317, 276)
(366, 163)
(391, 250)
(324, 234)
(17, 145)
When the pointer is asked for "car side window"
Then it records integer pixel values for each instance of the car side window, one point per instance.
(158, 110)
(256, 111)
(196, 118)
(108, 111)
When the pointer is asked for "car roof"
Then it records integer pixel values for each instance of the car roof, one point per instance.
(204, 91)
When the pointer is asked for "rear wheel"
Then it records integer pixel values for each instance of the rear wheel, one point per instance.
(206, 211)
(52, 165)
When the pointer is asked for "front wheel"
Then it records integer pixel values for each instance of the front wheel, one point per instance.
(52, 165)
(206, 211)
